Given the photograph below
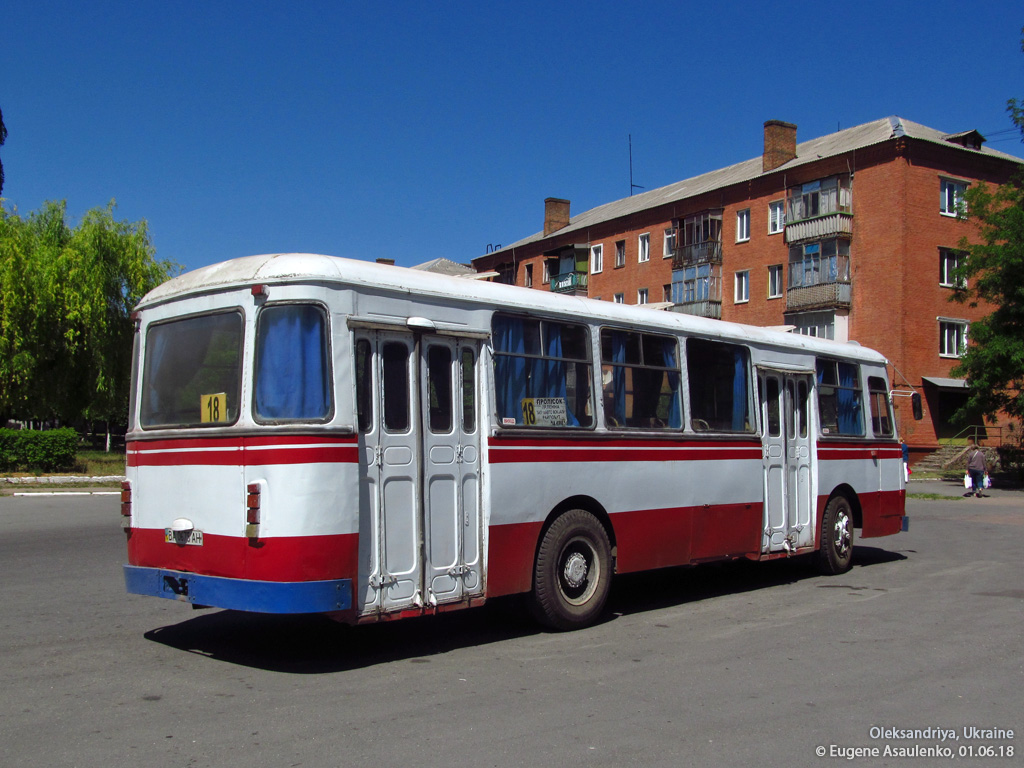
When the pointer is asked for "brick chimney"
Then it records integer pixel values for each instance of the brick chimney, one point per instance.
(779, 144)
(556, 214)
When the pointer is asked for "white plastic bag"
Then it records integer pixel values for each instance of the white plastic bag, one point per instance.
(967, 482)
(988, 481)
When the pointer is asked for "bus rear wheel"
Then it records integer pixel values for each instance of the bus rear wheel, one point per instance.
(573, 572)
(836, 551)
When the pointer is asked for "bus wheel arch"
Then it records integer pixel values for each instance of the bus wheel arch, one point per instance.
(573, 565)
(841, 515)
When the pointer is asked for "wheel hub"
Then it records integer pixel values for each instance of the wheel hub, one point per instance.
(575, 570)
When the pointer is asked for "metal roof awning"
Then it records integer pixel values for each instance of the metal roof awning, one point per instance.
(950, 384)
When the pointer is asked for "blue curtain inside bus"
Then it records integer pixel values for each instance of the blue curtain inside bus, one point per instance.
(291, 364)
(849, 411)
(739, 390)
(675, 413)
(619, 377)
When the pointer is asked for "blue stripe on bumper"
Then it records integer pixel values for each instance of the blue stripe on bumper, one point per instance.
(241, 594)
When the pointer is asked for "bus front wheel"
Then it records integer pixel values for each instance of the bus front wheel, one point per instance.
(836, 552)
(573, 571)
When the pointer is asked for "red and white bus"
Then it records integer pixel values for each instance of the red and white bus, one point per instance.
(315, 434)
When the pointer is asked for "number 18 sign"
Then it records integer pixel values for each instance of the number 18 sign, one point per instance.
(213, 408)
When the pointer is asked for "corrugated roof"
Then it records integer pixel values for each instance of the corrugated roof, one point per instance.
(833, 144)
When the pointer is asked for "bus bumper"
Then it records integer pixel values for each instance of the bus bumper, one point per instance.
(240, 594)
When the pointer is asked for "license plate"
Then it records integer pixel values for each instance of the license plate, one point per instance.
(191, 538)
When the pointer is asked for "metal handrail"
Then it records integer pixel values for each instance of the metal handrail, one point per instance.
(975, 432)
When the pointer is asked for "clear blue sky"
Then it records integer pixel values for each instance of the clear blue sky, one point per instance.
(415, 130)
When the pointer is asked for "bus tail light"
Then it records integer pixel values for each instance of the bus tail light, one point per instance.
(126, 502)
(252, 511)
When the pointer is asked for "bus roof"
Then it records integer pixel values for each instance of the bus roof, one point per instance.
(298, 268)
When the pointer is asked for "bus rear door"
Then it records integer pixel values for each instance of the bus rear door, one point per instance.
(420, 470)
(787, 460)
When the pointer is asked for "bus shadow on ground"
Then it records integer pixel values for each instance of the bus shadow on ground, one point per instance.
(311, 645)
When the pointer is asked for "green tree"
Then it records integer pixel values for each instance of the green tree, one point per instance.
(66, 297)
(993, 362)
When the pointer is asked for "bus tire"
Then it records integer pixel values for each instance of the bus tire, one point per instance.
(573, 572)
(836, 551)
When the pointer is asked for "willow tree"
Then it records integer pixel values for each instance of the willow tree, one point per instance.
(66, 297)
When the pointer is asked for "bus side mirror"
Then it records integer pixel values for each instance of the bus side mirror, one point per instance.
(915, 404)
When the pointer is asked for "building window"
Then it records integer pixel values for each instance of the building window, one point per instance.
(666, 292)
(643, 247)
(776, 217)
(546, 272)
(620, 253)
(596, 259)
(775, 281)
(827, 261)
(952, 197)
(641, 296)
(700, 282)
(818, 198)
(743, 225)
(819, 324)
(669, 247)
(952, 337)
(742, 287)
(619, 298)
(949, 262)
(529, 276)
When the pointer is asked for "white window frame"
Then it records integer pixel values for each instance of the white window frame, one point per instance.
(668, 243)
(619, 298)
(951, 196)
(528, 275)
(620, 254)
(959, 327)
(596, 259)
(776, 281)
(949, 260)
(641, 296)
(742, 287)
(776, 217)
(743, 225)
(546, 274)
(643, 247)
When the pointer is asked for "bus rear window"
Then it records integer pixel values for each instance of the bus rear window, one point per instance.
(192, 372)
(292, 369)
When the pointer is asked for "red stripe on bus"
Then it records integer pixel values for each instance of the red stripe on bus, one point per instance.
(284, 558)
(541, 455)
(244, 451)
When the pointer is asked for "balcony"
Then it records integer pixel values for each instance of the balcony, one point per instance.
(709, 252)
(830, 225)
(834, 295)
(571, 282)
(704, 308)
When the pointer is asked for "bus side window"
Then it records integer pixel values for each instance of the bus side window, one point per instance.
(718, 378)
(881, 417)
(640, 380)
(364, 385)
(840, 399)
(542, 372)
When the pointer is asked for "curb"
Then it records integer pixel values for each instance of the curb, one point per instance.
(61, 480)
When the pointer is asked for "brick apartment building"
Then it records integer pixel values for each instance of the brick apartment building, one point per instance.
(852, 236)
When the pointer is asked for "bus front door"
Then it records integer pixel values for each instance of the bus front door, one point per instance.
(787, 461)
(419, 525)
